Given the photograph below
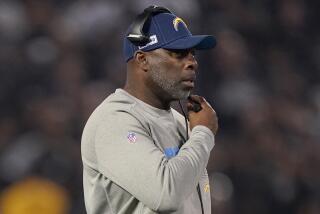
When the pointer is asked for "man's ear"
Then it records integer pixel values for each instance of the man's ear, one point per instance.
(141, 59)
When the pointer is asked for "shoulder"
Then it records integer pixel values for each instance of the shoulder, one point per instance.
(118, 108)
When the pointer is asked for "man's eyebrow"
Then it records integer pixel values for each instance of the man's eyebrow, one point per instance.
(181, 51)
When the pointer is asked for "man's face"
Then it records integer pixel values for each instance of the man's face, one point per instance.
(173, 72)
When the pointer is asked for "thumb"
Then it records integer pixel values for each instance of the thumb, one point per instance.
(189, 107)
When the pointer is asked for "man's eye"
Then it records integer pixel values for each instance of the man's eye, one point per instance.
(182, 53)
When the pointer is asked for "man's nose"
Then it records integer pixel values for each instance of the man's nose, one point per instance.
(191, 62)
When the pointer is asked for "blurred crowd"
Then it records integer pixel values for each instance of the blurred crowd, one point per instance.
(60, 58)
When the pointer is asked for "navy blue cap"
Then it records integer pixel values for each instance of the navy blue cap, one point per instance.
(169, 32)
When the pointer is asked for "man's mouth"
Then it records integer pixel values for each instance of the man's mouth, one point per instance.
(189, 79)
(189, 83)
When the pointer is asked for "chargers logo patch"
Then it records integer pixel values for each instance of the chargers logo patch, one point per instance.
(206, 188)
(176, 22)
(171, 152)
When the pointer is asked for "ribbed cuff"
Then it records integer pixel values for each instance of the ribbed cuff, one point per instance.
(205, 132)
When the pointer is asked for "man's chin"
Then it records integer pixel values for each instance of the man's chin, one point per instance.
(181, 95)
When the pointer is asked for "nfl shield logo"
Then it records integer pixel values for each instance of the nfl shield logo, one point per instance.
(132, 137)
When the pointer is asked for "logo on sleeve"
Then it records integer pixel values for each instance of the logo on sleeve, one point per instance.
(171, 152)
(206, 188)
(132, 137)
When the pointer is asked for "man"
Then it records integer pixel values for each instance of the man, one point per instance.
(136, 155)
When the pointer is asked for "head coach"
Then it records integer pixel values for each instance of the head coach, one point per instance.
(138, 157)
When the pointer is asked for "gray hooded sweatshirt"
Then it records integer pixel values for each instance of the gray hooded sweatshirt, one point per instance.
(137, 160)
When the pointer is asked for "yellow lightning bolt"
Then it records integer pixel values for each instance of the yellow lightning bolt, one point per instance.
(176, 22)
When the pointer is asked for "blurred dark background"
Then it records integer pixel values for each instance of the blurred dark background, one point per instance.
(60, 58)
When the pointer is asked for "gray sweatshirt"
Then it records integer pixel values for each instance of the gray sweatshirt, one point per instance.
(136, 160)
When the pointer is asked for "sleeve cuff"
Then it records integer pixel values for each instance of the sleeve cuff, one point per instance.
(205, 132)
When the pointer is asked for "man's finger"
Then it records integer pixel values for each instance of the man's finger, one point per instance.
(196, 98)
(189, 107)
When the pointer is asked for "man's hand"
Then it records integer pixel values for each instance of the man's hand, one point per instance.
(206, 116)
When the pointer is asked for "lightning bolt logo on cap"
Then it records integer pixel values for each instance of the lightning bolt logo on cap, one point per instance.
(176, 22)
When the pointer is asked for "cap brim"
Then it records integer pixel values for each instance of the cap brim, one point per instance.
(199, 42)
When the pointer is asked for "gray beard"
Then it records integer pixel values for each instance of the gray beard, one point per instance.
(170, 86)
